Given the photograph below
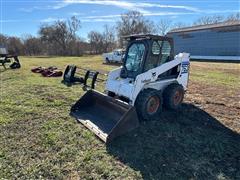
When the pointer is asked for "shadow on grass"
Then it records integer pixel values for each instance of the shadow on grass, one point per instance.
(43, 57)
(113, 64)
(186, 144)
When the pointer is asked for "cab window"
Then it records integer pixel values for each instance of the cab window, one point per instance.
(135, 57)
(155, 48)
(153, 59)
(166, 51)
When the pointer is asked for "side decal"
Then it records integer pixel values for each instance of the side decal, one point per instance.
(185, 67)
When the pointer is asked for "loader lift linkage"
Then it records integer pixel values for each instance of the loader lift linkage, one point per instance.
(151, 77)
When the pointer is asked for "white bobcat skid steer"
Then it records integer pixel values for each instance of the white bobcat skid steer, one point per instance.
(150, 78)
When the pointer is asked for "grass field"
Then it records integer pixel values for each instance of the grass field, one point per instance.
(38, 138)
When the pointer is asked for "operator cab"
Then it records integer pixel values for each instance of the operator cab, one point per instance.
(145, 52)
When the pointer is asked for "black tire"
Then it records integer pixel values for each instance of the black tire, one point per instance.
(149, 104)
(173, 96)
(107, 60)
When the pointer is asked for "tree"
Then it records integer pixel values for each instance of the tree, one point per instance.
(73, 25)
(163, 26)
(133, 22)
(96, 42)
(3, 40)
(209, 20)
(32, 45)
(15, 46)
(55, 37)
(109, 39)
(233, 17)
(180, 25)
(59, 35)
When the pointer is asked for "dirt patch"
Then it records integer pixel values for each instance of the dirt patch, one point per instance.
(219, 101)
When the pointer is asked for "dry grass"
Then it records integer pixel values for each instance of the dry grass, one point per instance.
(39, 139)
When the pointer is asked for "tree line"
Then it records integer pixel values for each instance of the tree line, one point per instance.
(60, 37)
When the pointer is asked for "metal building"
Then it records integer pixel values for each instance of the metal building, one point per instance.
(216, 41)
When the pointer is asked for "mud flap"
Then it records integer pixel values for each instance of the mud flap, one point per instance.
(107, 117)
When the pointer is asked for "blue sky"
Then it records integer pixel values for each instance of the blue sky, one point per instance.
(20, 17)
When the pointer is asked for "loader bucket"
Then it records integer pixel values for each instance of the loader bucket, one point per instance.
(104, 115)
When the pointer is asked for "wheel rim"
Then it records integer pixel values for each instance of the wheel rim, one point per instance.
(153, 105)
(177, 98)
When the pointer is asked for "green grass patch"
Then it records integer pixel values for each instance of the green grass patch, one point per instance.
(216, 77)
(39, 140)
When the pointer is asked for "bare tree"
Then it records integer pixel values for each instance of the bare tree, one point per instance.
(15, 46)
(163, 26)
(32, 45)
(109, 38)
(133, 22)
(96, 42)
(209, 20)
(180, 25)
(59, 35)
(73, 25)
(233, 17)
(3, 40)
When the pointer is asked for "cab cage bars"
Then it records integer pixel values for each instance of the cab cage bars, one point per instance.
(147, 36)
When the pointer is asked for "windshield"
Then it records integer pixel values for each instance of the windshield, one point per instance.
(135, 57)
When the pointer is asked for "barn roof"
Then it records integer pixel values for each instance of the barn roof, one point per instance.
(203, 27)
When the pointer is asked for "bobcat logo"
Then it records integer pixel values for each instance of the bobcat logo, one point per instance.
(185, 67)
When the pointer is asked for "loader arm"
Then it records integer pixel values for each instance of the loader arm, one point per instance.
(114, 73)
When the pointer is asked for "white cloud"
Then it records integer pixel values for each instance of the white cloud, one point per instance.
(50, 19)
(146, 8)
(141, 7)
(76, 14)
(211, 11)
(19, 21)
(166, 13)
(121, 4)
(30, 9)
(105, 16)
(26, 9)
(99, 20)
(114, 17)
(11, 20)
(189, 8)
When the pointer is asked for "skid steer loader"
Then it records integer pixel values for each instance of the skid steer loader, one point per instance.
(150, 78)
